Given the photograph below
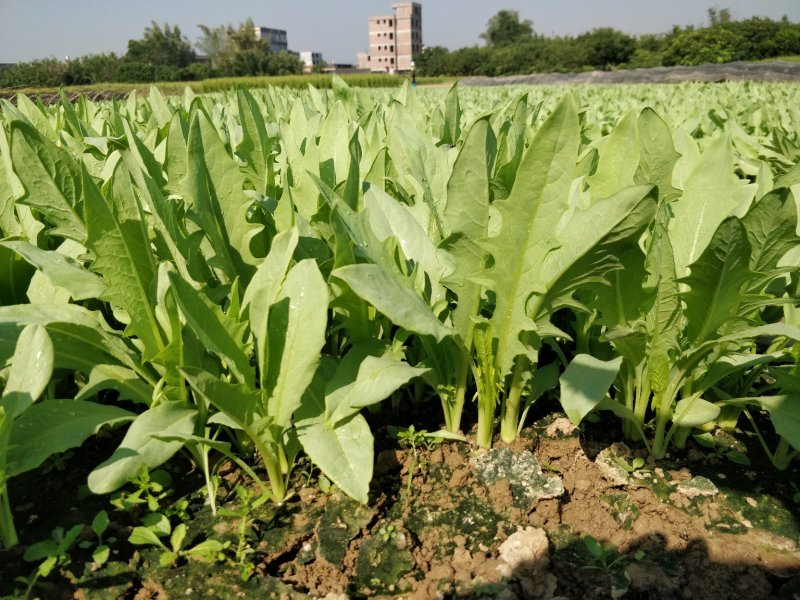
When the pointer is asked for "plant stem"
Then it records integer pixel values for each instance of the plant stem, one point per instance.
(8, 532)
(485, 421)
(454, 410)
(510, 411)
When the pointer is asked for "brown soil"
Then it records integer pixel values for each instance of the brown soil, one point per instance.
(453, 533)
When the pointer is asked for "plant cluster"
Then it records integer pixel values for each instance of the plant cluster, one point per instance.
(240, 275)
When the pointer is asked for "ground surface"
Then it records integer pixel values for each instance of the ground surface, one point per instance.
(505, 523)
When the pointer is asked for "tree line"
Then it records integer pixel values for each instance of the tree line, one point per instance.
(163, 54)
(513, 47)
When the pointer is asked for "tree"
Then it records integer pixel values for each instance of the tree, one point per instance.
(607, 47)
(718, 16)
(506, 28)
(213, 43)
(159, 46)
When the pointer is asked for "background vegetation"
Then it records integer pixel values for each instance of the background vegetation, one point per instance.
(512, 46)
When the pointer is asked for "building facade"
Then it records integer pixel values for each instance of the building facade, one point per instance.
(277, 38)
(395, 39)
(310, 60)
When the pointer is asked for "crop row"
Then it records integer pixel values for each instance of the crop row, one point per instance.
(242, 274)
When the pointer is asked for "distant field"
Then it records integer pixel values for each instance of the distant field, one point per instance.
(221, 84)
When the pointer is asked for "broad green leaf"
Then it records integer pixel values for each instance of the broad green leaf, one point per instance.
(296, 333)
(52, 179)
(123, 380)
(657, 154)
(117, 234)
(530, 216)
(770, 225)
(708, 198)
(139, 447)
(344, 452)
(585, 383)
(377, 379)
(694, 412)
(784, 412)
(220, 207)
(31, 364)
(466, 217)
(215, 330)
(619, 159)
(256, 145)
(53, 426)
(239, 402)
(265, 286)
(80, 339)
(717, 281)
(389, 218)
(62, 270)
(393, 298)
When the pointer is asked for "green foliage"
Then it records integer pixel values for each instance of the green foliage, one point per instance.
(506, 28)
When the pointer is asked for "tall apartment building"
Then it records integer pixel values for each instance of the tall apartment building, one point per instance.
(276, 38)
(395, 39)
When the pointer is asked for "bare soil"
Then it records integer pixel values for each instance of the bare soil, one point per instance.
(470, 523)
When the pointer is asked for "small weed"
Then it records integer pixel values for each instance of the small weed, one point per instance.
(248, 503)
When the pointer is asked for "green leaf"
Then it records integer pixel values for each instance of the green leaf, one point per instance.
(264, 289)
(238, 401)
(393, 298)
(100, 523)
(694, 412)
(117, 234)
(138, 447)
(52, 179)
(216, 187)
(216, 331)
(80, 339)
(124, 381)
(708, 198)
(62, 270)
(717, 281)
(344, 452)
(657, 154)
(530, 216)
(377, 379)
(619, 159)
(100, 554)
(31, 370)
(53, 426)
(142, 536)
(784, 412)
(585, 383)
(296, 333)
(177, 538)
(770, 225)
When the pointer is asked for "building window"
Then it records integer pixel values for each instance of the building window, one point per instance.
(391, 60)
(390, 22)
(391, 36)
(391, 48)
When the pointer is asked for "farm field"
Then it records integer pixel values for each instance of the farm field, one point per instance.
(508, 342)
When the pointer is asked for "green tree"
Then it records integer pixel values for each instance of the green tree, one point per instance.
(159, 46)
(506, 28)
(606, 47)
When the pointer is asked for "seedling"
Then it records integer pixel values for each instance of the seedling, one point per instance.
(248, 503)
(52, 553)
(101, 552)
(159, 527)
(151, 489)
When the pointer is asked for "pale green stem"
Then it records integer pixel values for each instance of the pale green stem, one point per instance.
(510, 410)
(8, 532)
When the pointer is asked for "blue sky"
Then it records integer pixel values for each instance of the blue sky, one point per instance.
(31, 29)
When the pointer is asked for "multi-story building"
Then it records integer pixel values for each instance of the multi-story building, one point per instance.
(310, 60)
(275, 37)
(395, 39)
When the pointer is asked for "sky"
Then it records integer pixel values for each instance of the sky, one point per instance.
(33, 29)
